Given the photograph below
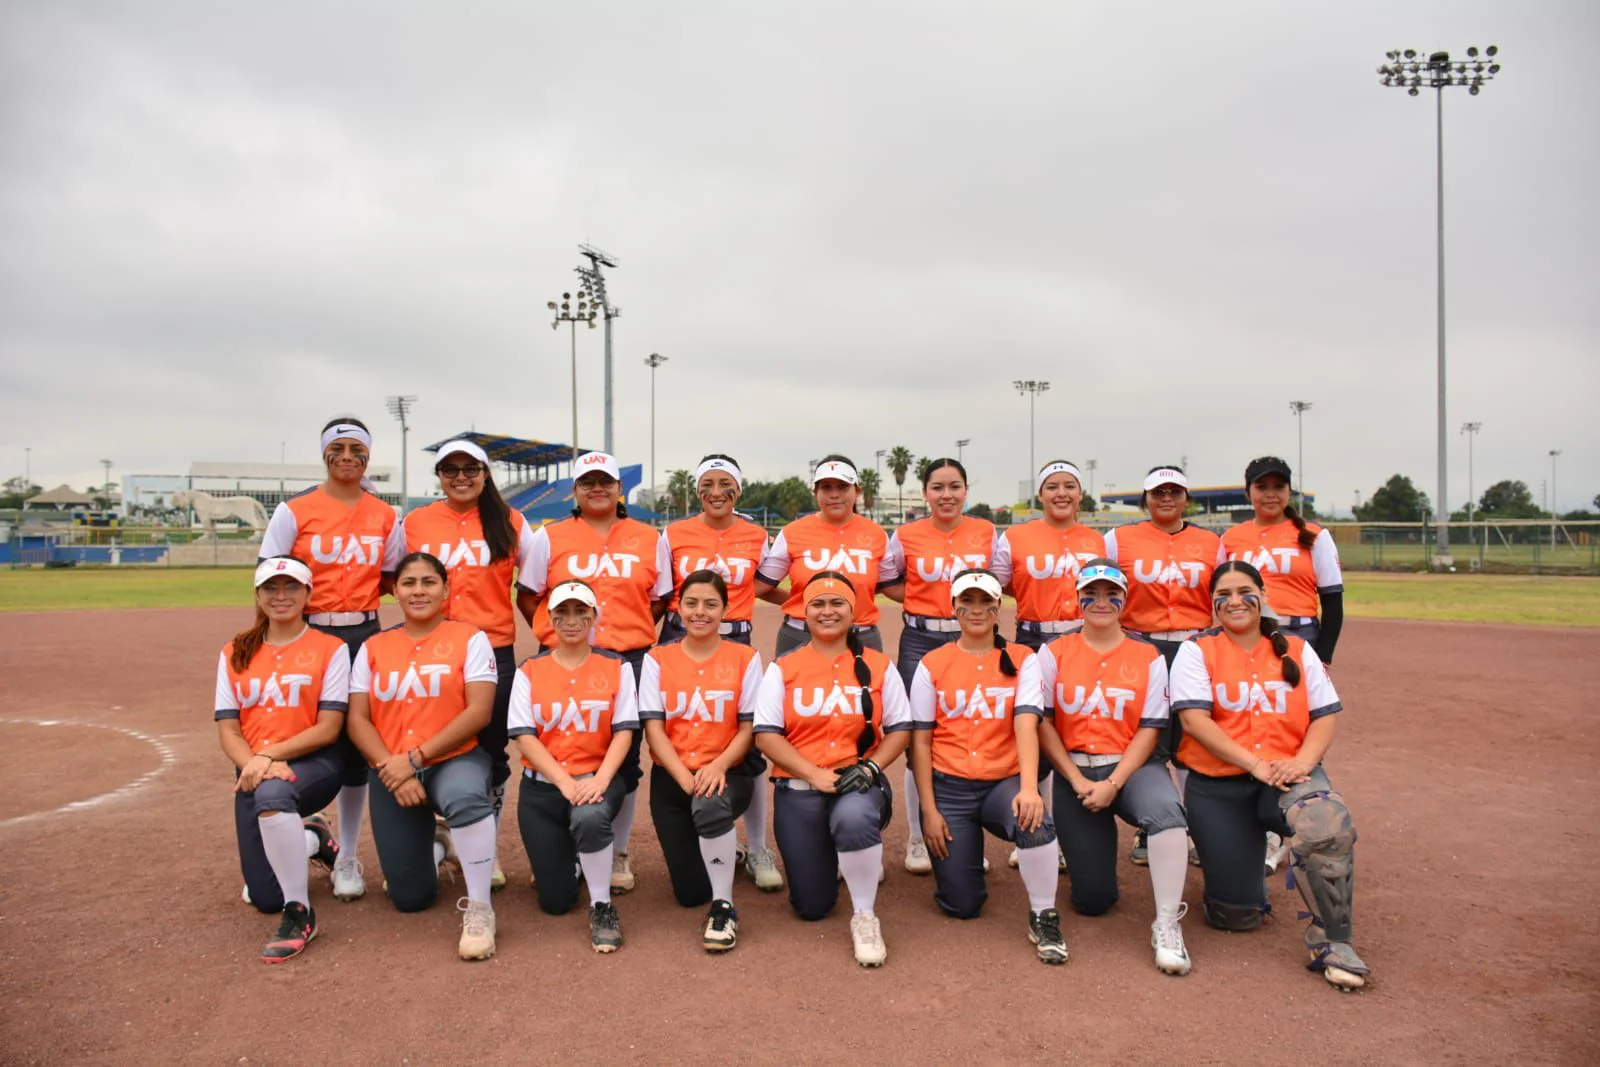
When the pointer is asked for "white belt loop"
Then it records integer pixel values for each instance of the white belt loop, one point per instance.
(1171, 635)
(1055, 626)
(933, 624)
(1299, 621)
(1095, 759)
(794, 623)
(341, 618)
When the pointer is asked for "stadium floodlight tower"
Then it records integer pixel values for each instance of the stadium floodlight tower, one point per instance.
(584, 311)
(1412, 72)
(1471, 430)
(653, 360)
(1299, 408)
(595, 282)
(961, 446)
(1031, 389)
(399, 406)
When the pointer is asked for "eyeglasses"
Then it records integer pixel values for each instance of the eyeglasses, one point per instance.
(1167, 490)
(450, 470)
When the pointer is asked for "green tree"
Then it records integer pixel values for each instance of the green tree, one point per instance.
(924, 465)
(981, 511)
(1397, 500)
(870, 486)
(680, 488)
(1002, 517)
(1089, 505)
(1509, 500)
(16, 490)
(899, 463)
(792, 496)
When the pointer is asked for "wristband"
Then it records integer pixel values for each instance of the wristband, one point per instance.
(412, 758)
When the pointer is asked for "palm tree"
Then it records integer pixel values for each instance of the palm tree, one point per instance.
(924, 465)
(899, 463)
(680, 486)
(869, 489)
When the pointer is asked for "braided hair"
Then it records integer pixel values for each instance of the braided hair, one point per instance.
(1269, 626)
(852, 641)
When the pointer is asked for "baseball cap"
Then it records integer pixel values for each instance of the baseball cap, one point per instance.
(603, 462)
(1165, 476)
(838, 470)
(572, 591)
(466, 448)
(268, 569)
(1101, 572)
(981, 580)
(1260, 468)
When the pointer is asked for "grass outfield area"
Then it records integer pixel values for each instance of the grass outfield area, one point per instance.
(1545, 600)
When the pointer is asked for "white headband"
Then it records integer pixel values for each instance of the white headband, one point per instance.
(980, 580)
(345, 429)
(1056, 468)
(715, 464)
(1165, 476)
(836, 470)
(268, 569)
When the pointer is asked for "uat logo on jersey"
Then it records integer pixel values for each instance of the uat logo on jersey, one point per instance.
(733, 571)
(367, 551)
(277, 691)
(1270, 560)
(417, 681)
(1270, 698)
(1049, 565)
(945, 568)
(602, 565)
(817, 701)
(981, 703)
(570, 716)
(1157, 572)
(461, 554)
(1106, 702)
(844, 560)
(703, 705)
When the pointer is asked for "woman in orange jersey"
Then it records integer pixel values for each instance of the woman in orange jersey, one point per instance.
(976, 704)
(1259, 713)
(733, 547)
(419, 695)
(574, 715)
(697, 701)
(629, 567)
(282, 692)
(1038, 560)
(926, 555)
(834, 538)
(831, 715)
(350, 540)
(1106, 692)
(481, 542)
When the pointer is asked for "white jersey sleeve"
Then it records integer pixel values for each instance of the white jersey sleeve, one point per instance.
(769, 702)
(1111, 545)
(625, 710)
(361, 672)
(775, 566)
(896, 708)
(749, 689)
(282, 529)
(1190, 685)
(1000, 559)
(1325, 564)
(922, 698)
(534, 573)
(664, 581)
(525, 559)
(1157, 711)
(1047, 680)
(1030, 695)
(336, 682)
(480, 658)
(1321, 697)
(519, 714)
(227, 701)
(894, 561)
(394, 548)
(650, 704)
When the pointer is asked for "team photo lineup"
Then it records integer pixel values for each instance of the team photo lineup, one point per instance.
(1158, 674)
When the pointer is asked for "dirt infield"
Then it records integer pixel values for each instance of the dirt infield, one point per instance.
(1467, 755)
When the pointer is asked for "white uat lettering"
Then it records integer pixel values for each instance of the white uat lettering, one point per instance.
(364, 550)
(570, 716)
(733, 571)
(944, 569)
(703, 705)
(416, 681)
(1270, 560)
(1049, 565)
(1169, 572)
(1270, 698)
(278, 691)
(460, 554)
(1108, 702)
(982, 703)
(844, 560)
(602, 565)
(840, 700)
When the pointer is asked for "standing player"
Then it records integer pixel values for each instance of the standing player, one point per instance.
(573, 716)
(1259, 714)
(831, 715)
(718, 539)
(1038, 560)
(350, 540)
(697, 701)
(282, 692)
(837, 539)
(629, 567)
(419, 695)
(927, 554)
(1107, 694)
(976, 705)
(481, 542)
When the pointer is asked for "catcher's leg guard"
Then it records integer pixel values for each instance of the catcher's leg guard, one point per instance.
(1323, 851)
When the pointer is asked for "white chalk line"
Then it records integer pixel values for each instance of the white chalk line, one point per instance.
(168, 758)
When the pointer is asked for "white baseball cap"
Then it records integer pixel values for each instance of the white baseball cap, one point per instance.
(268, 569)
(466, 448)
(982, 581)
(572, 591)
(604, 462)
(1165, 476)
(838, 470)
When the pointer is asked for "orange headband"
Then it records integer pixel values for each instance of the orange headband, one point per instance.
(826, 586)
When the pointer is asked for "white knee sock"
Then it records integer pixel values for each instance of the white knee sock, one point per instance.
(283, 839)
(475, 846)
(597, 873)
(352, 807)
(1041, 871)
(1169, 866)
(913, 807)
(622, 825)
(860, 869)
(718, 854)
(312, 844)
(755, 816)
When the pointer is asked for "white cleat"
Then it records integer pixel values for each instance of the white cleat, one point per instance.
(1277, 849)
(477, 930)
(762, 867)
(917, 860)
(622, 880)
(1013, 860)
(1166, 937)
(348, 884)
(868, 938)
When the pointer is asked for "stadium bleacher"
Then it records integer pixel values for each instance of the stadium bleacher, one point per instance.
(537, 479)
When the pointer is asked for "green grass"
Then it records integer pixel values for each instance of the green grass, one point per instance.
(1549, 601)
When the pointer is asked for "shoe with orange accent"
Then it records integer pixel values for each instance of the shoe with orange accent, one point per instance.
(296, 930)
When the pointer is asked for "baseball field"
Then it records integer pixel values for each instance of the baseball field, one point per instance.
(1466, 754)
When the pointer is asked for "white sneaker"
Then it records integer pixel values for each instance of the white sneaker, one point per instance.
(1012, 860)
(917, 861)
(1061, 858)
(244, 894)
(477, 930)
(1277, 849)
(868, 938)
(1166, 937)
(347, 881)
(622, 880)
(762, 867)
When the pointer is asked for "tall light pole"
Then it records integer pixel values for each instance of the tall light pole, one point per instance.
(585, 311)
(105, 484)
(960, 445)
(1031, 389)
(1300, 407)
(399, 406)
(1405, 70)
(595, 282)
(1554, 509)
(27, 470)
(1471, 430)
(1093, 465)
(653, 360)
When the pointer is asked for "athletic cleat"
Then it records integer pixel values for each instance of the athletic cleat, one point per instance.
(722, 927)
(868, 938)
(497, 880)
(1044, 930)
(986, 865)
(244, 894)
(1139, 854)
(296, 930)
(327, 847)
(762, 866)
(441, 836)
(1013, 860)
(1194, 857)
(622, 879)
(477, 930)
(1166, 937)
(917, 861)
(348, 884)
(605, 928)
(1277, 849)
(1061, 858)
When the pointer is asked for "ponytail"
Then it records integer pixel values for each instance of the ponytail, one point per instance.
(1306, 538)
(1007, 668)
(1280, 645)
(494, 515)
(246, 643)
(868, 736)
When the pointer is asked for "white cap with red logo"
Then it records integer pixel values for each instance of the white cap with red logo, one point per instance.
(572, 591)
(604, 462)
(269, 569)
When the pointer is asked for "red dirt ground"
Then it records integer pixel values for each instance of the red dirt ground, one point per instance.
(123, 940)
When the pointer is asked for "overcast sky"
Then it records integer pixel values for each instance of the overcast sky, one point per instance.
(848, 226)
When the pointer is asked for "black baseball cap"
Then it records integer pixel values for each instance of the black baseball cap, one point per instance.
(1260, 468)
